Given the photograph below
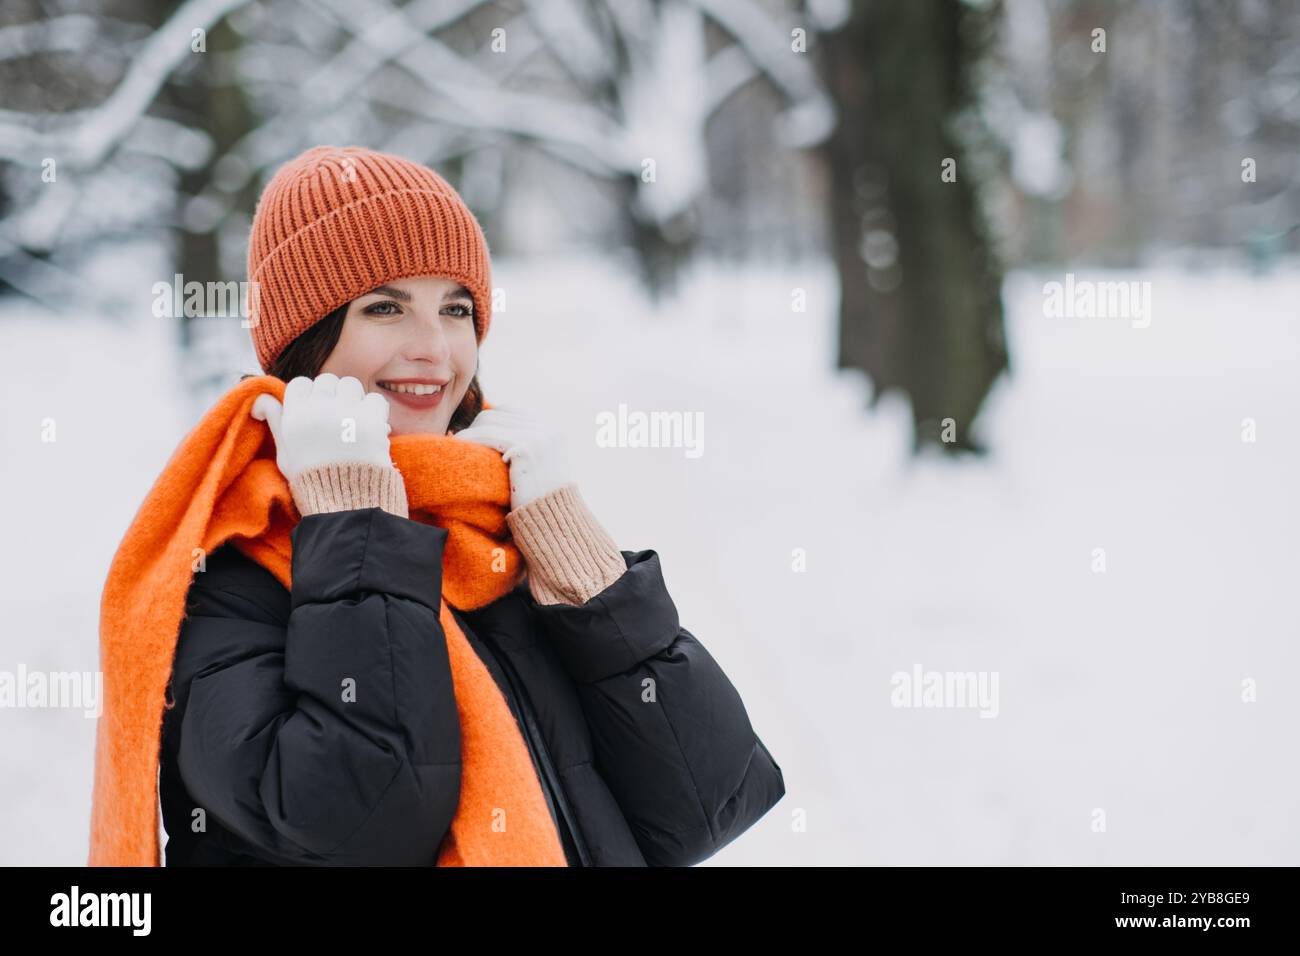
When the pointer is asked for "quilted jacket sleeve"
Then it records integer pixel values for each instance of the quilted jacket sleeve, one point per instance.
(670, 732)
(322, 729)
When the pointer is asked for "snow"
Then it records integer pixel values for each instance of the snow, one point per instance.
(1119, 691)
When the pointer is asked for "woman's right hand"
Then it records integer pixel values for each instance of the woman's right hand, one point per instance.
(324, 421)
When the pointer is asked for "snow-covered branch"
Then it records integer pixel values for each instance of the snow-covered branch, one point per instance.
(82, 140)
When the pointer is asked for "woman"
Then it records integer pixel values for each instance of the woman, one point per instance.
(444, 659)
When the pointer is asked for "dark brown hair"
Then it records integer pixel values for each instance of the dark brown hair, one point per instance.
(308, 352)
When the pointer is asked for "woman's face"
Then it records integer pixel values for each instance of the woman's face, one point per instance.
(411, 334)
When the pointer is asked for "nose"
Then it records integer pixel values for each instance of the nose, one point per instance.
(428, 342)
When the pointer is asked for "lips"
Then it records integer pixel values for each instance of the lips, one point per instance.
(416, 393)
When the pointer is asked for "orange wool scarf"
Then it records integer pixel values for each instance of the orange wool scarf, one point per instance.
(222, 483)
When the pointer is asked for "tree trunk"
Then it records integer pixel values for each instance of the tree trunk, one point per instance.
(215, 104)
(921, 289)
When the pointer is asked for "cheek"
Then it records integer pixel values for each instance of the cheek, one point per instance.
(466, 356)
(360, 352)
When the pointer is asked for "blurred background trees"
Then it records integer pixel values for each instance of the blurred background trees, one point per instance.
(921, 147)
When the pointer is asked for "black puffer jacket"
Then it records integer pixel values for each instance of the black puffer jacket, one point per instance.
(643, 747)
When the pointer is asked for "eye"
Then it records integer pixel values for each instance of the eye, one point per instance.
(465, 310)
(375, 309)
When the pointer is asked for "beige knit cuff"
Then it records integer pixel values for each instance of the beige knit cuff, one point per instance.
(570, 557)
(349, 485)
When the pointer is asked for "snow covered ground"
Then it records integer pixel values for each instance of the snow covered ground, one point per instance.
(1118, 691)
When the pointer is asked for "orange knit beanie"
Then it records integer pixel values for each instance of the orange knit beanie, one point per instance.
(335, 222)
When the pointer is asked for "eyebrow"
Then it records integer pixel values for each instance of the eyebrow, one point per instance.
(393, 292)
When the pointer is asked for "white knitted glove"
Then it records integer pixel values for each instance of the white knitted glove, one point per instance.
(528, 446)
(324, 421)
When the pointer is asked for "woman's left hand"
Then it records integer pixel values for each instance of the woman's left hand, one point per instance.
(528, 446)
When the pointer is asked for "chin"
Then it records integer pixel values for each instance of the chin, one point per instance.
(433, 426)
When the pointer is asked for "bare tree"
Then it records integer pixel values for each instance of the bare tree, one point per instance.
(920, 283)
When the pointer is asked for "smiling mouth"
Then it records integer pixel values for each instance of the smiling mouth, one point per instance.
(412, 388)
(418, 395)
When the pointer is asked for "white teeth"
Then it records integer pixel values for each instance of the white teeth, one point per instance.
(411, 388)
